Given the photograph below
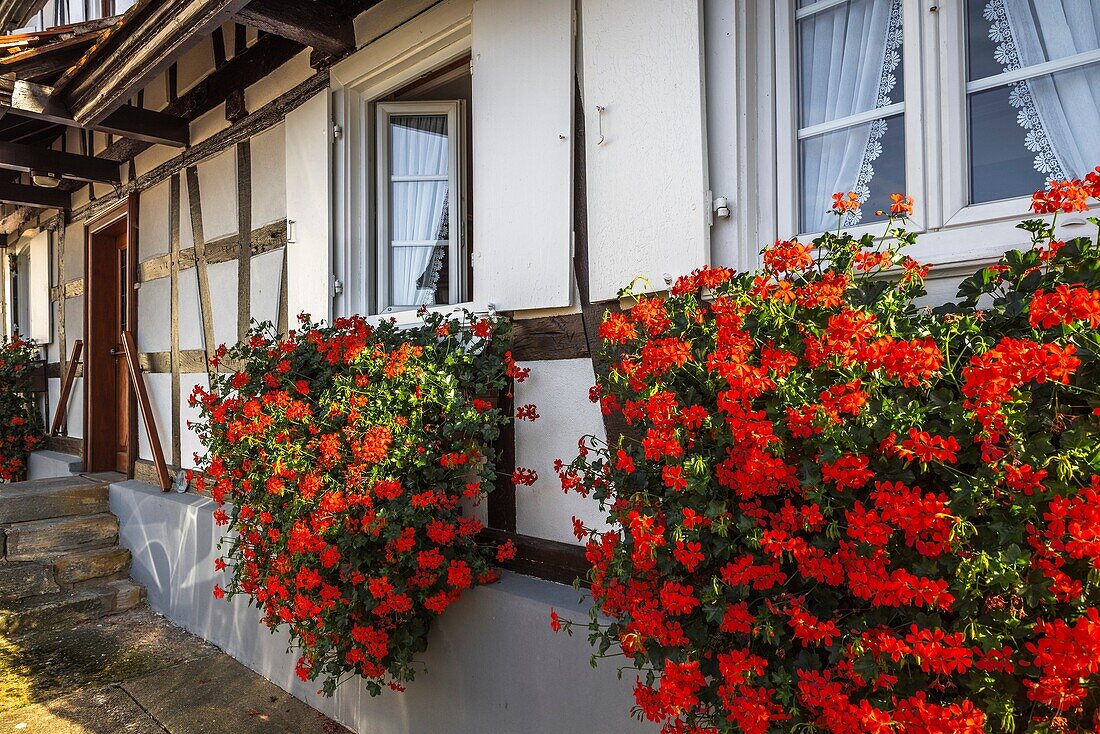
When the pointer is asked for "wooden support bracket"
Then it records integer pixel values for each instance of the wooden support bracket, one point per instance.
(62, 411)
(137, 379)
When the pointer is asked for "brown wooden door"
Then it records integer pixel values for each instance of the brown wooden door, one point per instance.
(109, 310)
(122, 378)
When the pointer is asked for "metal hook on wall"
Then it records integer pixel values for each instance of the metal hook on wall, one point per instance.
(599, 123)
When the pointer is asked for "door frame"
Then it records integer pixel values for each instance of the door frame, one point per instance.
(126, 209)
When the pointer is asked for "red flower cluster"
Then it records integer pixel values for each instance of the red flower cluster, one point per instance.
(836, 512)
(1067, 196)
(20, 420)
(340, 457)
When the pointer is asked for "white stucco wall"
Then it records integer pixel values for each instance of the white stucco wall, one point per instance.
(493, 664)
(559, 389)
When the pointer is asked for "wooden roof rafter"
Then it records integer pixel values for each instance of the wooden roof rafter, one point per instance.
(325, 25)
(39, 63)
(41, 102)
(16, 13)
(146, 41)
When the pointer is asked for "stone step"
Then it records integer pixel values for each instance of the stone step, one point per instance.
(41, 499)
(68, 607)
(52, 610)
(45, 463)
(74, 568)
(20, 580)
(52, 539)
(128, 594)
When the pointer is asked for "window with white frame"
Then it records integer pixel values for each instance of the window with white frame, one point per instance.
(421, 248)
(1032, 94)
(403, 167)
(850, 106)
(969, 106)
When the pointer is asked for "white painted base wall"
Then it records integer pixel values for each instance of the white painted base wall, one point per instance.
(493, 664)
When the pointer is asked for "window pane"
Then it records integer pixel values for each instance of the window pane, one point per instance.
(1011, 34)
(879, 145)
(1023, 134)
(849, 62)
(419, 216)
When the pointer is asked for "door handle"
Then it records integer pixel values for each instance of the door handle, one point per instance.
(116, 351)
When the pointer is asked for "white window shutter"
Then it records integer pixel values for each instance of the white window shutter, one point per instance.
(648, 213)
(522, 111)
(308, 131)
(38, 289)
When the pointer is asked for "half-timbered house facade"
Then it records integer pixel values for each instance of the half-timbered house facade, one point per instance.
(175, 169)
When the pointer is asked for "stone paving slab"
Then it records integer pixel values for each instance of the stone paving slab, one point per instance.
(106, 710)
(135, 673)
(218, 694)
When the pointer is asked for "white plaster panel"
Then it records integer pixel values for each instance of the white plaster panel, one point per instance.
(74, 252)
(268, 151)
(267, 272)
(155, 316)
(209, 123)
(223, 302)
(559, 388)
(80, 197)
(153, 221)
(189, 442)
(155, 95)
(492, 663)
(53, 393)
(286, 77)
(75, 418)
(194, 64)
(159, 386)
(190, 318)
(74, 322)
(152, 157)
(52, 347)
(218, 195)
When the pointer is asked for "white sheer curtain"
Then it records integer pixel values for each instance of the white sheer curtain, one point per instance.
(1059, 111)
(846, 58)
(419, 156)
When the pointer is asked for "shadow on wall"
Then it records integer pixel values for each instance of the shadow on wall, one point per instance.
(493, 664)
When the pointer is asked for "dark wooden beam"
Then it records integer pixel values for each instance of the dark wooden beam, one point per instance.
(148, 125)
(41, 102)
(550, 337)
(323, 24)
(46, 62)
(29, 158)
(243, 70)
(16, 13)
(153, 36)
(36, 196)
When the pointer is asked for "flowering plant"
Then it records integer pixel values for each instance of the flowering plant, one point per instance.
(836, 511)
(20, 421)
(341, 457)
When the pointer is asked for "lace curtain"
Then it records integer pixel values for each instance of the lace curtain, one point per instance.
(419, 155)
(847, 56)
(1059, 111)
